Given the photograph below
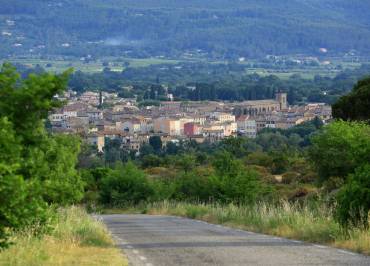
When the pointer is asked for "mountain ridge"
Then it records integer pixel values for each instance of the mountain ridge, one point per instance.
(216, 29)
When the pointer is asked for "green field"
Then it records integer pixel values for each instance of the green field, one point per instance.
(285, 74)
(91, 67)
(117, 64)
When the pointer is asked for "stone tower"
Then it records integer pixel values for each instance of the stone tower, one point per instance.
(281, 97)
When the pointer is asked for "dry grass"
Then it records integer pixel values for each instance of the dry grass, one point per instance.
(358, 241)
(77, 239)
(314, 224)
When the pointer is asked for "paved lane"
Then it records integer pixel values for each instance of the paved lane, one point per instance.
(166, 240)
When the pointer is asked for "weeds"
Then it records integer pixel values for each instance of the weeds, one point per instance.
(75, 239)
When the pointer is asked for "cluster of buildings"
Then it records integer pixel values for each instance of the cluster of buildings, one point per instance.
(101, 116)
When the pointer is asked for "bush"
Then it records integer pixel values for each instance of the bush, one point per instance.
(19, 204)
(259, 158)
(354, 198)
(309, 177)
(151, 160)
(290, 177)
(245, 188)
(161, 172)
(340, 148)
(62, 184)
(192, 187)
(126, 185)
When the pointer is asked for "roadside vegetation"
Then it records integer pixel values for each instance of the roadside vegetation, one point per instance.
(72, 238)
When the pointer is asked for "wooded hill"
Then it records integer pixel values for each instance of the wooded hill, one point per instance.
(207, 28)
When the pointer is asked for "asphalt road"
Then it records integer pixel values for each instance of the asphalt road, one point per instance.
(166, 240)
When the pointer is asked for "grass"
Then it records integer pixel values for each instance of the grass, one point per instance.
(96, 66)
(76, 239)
(91, 67)
(311, 223)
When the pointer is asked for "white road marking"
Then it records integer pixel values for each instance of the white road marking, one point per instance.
(347, 252)
(319, 246)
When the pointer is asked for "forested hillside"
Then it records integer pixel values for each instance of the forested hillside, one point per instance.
(207, 28)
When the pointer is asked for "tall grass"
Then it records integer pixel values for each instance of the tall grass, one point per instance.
(311, 223)
(75, 239)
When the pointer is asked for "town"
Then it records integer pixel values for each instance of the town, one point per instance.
(96, 116)
(187, 132)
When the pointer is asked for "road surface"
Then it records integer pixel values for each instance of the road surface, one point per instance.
(170, 241)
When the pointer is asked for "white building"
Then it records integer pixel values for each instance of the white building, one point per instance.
(247, 126)
(230, 129)
(131, 126)
(222, 117)
(94, 114)
(169, 126)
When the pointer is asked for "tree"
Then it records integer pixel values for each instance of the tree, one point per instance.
(355, 105)
(339, 148)
(156, 143)
(27, 103)
(36, 169)
(225, 164)
(272, 141)
(62, 183)
(113, 151)
(235, 146)
(172, 148)
(145, 150)
(236, 183)
(186, 162)
(18, 207)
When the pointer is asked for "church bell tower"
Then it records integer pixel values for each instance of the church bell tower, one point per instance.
(281, 97)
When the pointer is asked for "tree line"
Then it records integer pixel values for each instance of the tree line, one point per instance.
(228, 82)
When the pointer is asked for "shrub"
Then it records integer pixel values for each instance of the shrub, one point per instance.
(340, 148)
(354, 198)
(151, 160)
(126, 184)
(290, 177)
(309, 177)
(259, 158)
(244, 186)
(192, 187)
